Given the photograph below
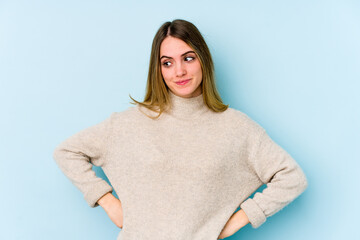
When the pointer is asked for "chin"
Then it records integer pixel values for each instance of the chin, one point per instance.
(185, 92)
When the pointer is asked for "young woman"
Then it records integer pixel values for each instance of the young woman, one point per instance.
(181, 161)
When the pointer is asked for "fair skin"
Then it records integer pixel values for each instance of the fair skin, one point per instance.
(113, 208)
(178, 62)
(237, 221)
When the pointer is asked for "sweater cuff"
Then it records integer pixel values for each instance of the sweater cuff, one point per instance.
(97, 191)
(253, 212)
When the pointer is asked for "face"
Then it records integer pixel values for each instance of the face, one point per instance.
(180, 68)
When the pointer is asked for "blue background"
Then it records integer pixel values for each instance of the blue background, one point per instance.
(292, 66)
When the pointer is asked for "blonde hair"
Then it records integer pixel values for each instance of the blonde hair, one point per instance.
(157, 98)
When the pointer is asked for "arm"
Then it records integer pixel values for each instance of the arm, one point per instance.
(284, 178)
(76, 155)
(237, 221)
(113, 208)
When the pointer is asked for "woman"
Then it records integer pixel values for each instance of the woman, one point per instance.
(181, 161)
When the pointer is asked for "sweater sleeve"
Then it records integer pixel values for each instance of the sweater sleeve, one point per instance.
(284, 178)
(76, 155)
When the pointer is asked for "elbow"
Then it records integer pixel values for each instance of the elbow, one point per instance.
(302, 182)
(57, 154)
(303, 185)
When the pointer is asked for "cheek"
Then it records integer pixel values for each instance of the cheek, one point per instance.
(166, 74)
(196, 70)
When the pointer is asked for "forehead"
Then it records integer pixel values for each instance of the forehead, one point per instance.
(173, 47)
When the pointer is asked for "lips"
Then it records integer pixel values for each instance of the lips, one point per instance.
(182, 82)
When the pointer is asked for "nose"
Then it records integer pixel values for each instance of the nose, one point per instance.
(180, 70)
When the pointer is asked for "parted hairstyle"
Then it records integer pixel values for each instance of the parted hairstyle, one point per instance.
(157, 98)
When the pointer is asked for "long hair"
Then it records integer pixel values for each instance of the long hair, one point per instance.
(157, 98)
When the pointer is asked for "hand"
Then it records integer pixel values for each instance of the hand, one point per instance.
(113, 208)
(236, 221)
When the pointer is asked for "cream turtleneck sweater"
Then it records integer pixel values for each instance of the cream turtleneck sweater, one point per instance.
(183, 175)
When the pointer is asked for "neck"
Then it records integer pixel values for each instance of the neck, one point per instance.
(186, 108)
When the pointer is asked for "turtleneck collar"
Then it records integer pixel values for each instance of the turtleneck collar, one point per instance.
(187, 108)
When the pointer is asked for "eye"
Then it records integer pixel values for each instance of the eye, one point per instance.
(166, 64)
(188, 59)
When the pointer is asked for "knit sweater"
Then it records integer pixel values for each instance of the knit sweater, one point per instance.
(184, 174)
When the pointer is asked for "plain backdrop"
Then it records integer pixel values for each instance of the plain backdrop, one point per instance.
(292, 66)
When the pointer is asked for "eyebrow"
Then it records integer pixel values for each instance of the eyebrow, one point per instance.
(181, 54)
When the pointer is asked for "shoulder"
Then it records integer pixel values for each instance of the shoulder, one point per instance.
(132, 115)
(240, 120)
(128, 113)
